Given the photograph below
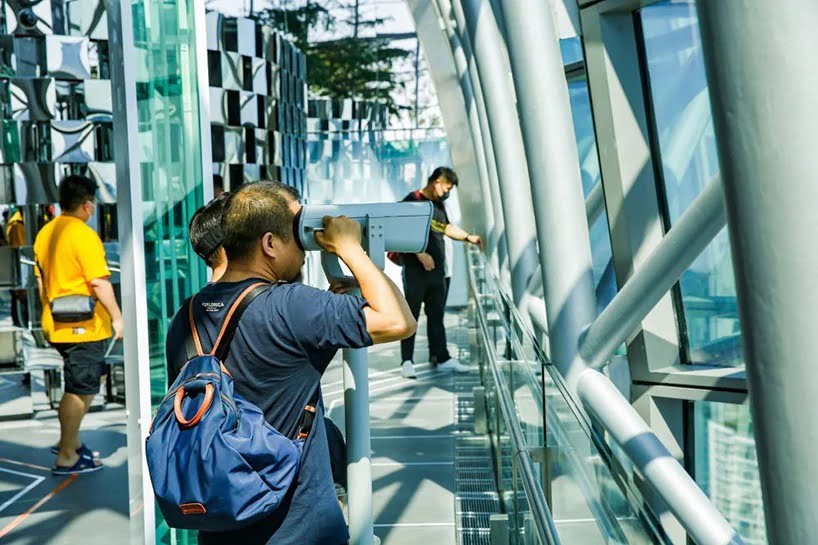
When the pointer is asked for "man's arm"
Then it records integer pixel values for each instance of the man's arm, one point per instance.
(456, 233)
(104, 291)
(388, 317)
(426, 260)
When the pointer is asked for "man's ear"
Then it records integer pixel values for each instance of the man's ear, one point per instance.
(269, 245)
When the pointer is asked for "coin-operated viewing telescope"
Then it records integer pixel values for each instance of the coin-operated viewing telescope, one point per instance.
(387, 227)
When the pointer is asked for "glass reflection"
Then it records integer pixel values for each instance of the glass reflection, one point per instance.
(683, 127)
(601, 256)
(727, 467)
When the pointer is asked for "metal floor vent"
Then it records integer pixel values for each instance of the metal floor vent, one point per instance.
(475, 489)
(476, 497)
(475, 537)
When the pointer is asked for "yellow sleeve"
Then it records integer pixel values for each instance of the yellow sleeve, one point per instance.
(91, 255)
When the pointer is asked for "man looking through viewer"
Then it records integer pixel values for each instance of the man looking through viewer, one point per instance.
(205, 231)
(424, 275)
(286, 339)
(71, 261)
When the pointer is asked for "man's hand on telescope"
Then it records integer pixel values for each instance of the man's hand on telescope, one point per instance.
(339, 235)
(427, 261)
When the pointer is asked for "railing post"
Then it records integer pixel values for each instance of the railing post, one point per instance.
(480, 416)
(498, 529)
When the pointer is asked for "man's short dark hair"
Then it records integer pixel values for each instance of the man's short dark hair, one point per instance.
(205, 229)
(444, 173)
(74, 190)
(254, 210)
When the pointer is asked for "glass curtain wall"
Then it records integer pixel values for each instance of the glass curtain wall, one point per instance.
(726, 466)
(601, 255)
(686, 148)
(166, 68)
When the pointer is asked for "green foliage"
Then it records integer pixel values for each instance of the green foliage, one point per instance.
(296, 23)
(346, 67)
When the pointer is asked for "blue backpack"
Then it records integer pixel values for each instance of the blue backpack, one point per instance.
(214, 461)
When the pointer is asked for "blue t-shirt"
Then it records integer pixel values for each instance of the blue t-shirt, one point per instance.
(284, 342)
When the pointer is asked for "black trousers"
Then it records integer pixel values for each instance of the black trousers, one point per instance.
(428, 289)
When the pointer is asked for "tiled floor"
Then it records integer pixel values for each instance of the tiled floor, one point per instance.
(412, 464)
(37, 508)
(412, 426)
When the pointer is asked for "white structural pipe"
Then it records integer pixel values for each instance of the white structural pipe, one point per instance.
(685, 241)
(476, 20)
(565, 261)
(763, 78)
(359, 449)
(483, 149)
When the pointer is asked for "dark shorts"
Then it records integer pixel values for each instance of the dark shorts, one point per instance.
(84, 366)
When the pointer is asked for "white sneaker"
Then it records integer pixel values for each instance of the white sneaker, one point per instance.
(453, 364)
(407, 370)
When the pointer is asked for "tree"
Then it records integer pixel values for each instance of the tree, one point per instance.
(353, 66)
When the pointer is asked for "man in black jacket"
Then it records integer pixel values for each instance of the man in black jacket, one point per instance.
(424, 275)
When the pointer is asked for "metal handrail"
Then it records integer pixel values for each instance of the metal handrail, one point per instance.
(543, 519)
(632, 495)
(610, 410)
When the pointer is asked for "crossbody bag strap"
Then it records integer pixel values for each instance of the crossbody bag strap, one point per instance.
(42, 277)
(222, 345)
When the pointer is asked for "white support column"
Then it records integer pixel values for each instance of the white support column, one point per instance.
(477, 20)
(132, 276)
(453, 107)
(461, 65)
(462, 51)
(763, 77)
(555, 180)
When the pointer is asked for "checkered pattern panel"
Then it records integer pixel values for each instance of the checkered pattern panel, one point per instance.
(343, 138)
(55, 119)
(55, 99)
(257, 102)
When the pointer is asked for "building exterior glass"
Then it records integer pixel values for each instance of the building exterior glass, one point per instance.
(727, 467)
(683, 132)
(166, 70)
(591, 176)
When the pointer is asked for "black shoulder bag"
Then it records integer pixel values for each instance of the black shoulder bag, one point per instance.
(68, 309)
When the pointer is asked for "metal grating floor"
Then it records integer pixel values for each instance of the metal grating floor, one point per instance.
(476, 497)
(474, 537)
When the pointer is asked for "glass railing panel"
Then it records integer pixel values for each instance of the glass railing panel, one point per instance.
(591, 495)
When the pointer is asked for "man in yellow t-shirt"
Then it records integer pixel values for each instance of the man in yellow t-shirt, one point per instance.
(71, 261)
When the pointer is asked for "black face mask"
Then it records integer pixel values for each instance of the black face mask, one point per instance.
(444, 196)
